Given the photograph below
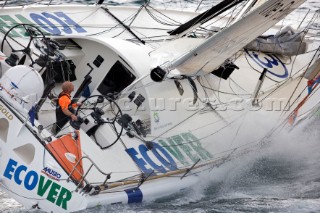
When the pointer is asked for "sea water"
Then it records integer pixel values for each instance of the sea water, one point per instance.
(281, 177)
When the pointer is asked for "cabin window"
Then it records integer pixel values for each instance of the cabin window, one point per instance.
(118, 78)
(26, 152)
(4, 127)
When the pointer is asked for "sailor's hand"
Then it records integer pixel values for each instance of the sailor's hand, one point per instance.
(79, 104)
(74, 117)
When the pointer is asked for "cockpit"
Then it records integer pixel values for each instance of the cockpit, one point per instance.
(108, 80)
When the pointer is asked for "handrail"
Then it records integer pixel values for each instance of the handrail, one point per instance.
(85, 175)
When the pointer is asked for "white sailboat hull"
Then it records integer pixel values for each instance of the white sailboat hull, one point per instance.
(167, 135)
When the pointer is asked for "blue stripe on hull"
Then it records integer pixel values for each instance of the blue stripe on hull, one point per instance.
(134, 195)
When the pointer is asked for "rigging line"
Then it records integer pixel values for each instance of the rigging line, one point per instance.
(151, 28)
(312, 20)
(313, 92)
(205, 91)
(294, 60)
(190, 116)
(199, 18)
(284, 122)
(158, 19)
(274, 90)
(279, 86)
(246, 57)
(312, 109)
(78, 12)
(204, 137)
(304, 19)
(228, 93)
(198, 5)
(207, 104)
(149, 39)
(214, 91)
(238, 95)
(132, 18)
(238, 85)
(297, 98)
(137, 165)
(238, 130)
(164, 15)
(132, 28)
(125, 26)
(309, 64)
(206, 16)
(137, 13)
(243, 147)
(219, 129)
(221, 17)
(104, 31)
(219, 85)
(195, 92)
(122, 30)
(215, 122)
(231, 16)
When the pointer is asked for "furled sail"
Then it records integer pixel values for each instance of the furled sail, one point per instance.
(286, 42)
(212, 53)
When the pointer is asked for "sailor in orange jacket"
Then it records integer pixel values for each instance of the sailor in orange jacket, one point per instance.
(65, 110)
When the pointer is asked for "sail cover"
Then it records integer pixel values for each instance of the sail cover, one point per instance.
(286, 42)
(211, 54)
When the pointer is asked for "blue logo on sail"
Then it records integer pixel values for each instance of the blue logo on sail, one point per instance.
(269, 61)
